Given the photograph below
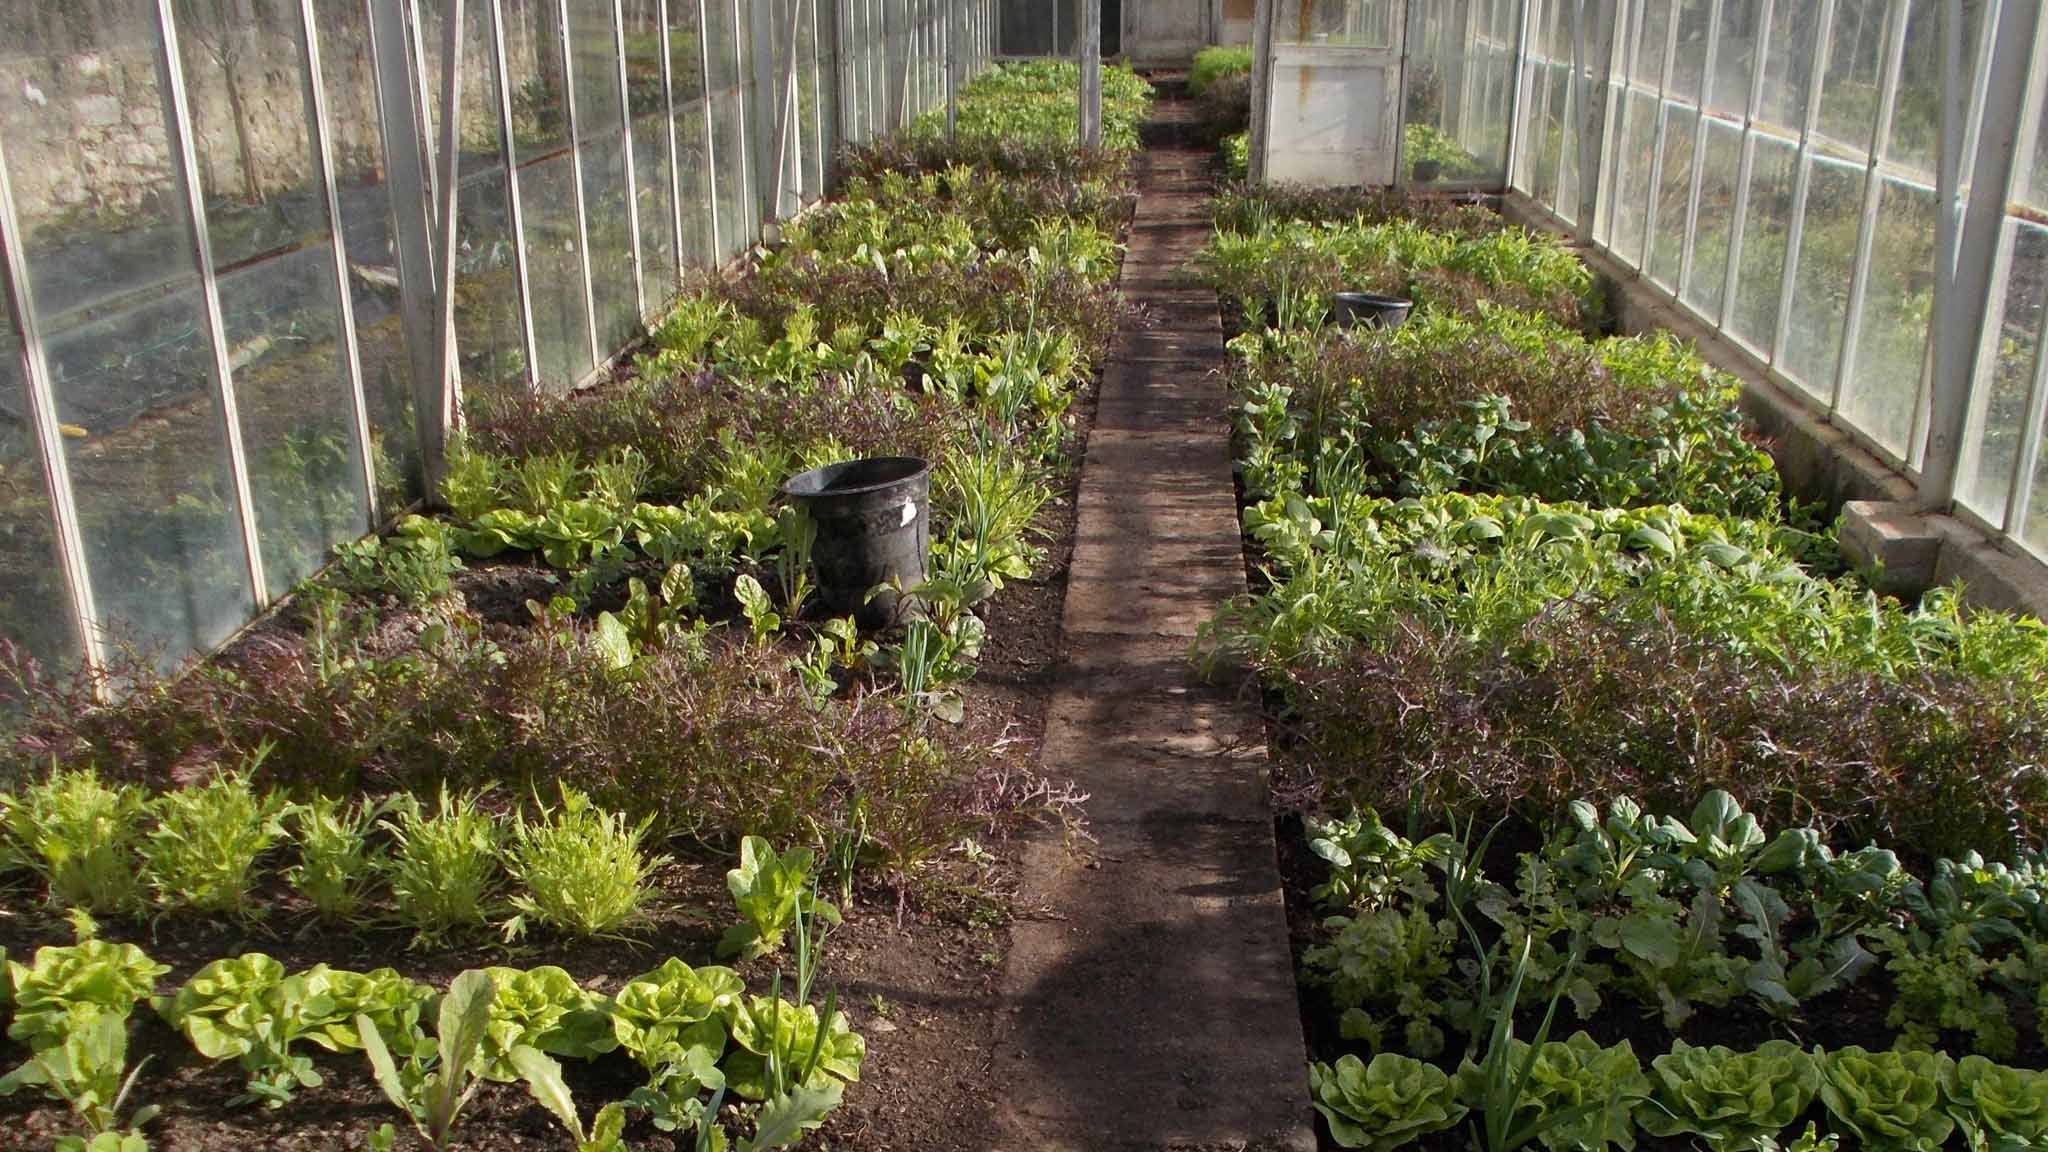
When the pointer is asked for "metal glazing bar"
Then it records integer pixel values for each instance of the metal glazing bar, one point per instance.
(41, 405)
(626, 161)
(743, 163)
(453, 15)
(1959, 311)
(2020, 485)
(1873, 189)
(1802, 179)
(1745, 166)
(1994, 303)
(1262, 79)
(1518, 95)
(508, 155)
(1657, 148)
(1629, 29)
(767, 137)
(675, 158)
(1699, 147)
(952, 68)
(416, 60)
(576, 197)
(412, 227)
(185, 170)
(710, 134)
(323, 175)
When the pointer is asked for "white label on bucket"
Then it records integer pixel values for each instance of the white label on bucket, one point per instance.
(909, 514)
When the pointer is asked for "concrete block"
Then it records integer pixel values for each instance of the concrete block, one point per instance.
(1899, 547)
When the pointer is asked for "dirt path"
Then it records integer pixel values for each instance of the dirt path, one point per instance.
(1154, 995)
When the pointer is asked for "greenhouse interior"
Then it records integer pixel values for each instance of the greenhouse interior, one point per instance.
(1024, 575)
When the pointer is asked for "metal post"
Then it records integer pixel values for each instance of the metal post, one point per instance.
(1657, 149)
(1091, 74)
(1262, 79)
(1517, 95)
(626, 161)
(323, 176)
(576, 197)
(41, 405)
(1699, 150)
(952, 68)
(1873, 188)
(710, 133)
(451, 173)
(1960, 292)
(185, 171)
(412, 229)
(1802, 179)
(1745, 167)
(675, 158)
(1593, 129)
(509, 157)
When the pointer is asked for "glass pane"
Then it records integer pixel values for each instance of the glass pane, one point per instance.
(1735, 57)
(652, 181)
(1760, 279)
(1891, 342)
(1915, 116)
(117, 298)
(686, 45)
(1648, 69)
(366, 227)
(2035, 530)
(1995, 435)
(601, 147)
(1850, 89)
(554, 259)
(1820, 290)
(1356, 23)
(34, 604)
(1638, 139)
(728, 133)
(810, 110)
(1673, 191)
(274, 258)
(1716, 216)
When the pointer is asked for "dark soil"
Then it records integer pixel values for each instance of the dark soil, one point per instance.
(915, 971)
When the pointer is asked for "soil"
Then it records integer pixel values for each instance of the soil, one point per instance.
(916, 977)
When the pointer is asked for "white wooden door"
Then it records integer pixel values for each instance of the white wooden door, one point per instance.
(1333, 105)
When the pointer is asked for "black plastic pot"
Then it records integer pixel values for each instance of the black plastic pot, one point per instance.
(874, 528)
(1350, 309)
(1426, 171)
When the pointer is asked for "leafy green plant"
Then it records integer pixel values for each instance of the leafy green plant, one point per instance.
(85, 1071)
(416, 563)
(444, 868)
(66, 984)
(435, 1084)
(1592, 1092)
(79, 835)
(780, 1047)
(1889, 1100)
(247, 1009)
(545, 1009)
(1385, 1104)
(1999, 1107)
(584, 869)
(202, 853)
(673, 1022)
(337, 863)
(771, 890)
(1370, 863)
(1730, 1100)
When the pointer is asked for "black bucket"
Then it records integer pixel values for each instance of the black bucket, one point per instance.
(874, 528)
(1351, 309)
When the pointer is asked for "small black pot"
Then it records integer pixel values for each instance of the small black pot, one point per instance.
(1426, 171)
(873, 528)
(1352, 309)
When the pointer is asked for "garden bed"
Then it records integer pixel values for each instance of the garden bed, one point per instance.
(479, 741)
(1652, 766)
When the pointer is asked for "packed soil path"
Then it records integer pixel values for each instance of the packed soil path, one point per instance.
(1152, 989)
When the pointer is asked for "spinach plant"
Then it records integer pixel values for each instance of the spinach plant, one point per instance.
(771, 891)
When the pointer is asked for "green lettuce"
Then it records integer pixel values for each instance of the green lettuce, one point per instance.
(543, 1009)
(1730, 1100)
(1384, 1104)
(794, 1041)
(1889, 1100)
(1594, 1090)
(2000, 1107)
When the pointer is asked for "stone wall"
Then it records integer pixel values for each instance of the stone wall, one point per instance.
(81, 106)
